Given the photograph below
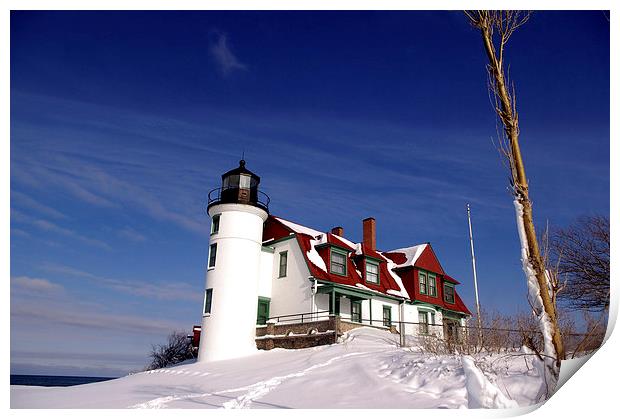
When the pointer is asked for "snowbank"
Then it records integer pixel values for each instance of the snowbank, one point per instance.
(481, 393)
(367, 370)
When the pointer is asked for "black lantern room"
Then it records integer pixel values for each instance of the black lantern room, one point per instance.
(239, 186)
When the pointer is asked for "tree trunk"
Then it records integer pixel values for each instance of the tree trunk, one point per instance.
(508, 116)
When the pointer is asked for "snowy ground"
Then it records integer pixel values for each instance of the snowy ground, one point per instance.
(367, 370)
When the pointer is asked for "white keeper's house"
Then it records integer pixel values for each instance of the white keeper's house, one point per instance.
(261, 266)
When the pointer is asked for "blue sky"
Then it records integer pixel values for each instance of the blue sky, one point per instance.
(121, 122)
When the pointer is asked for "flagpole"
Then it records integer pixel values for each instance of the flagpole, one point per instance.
(473, 265)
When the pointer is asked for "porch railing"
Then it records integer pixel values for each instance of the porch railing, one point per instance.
(311, 316)
(452, 336)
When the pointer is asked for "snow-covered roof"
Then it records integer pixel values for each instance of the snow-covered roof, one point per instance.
(314, 256)
(314, 245)
(297, 228)
(411, 253)
(346, 241)
(390, 266)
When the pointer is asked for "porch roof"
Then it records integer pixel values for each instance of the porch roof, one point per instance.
(355, 292)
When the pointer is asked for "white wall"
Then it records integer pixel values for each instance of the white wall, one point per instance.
(377, 310)
(290, 294)
(412, 315)
(266, 273)
(230, 329)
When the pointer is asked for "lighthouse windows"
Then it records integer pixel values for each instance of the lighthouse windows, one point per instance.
(244, 181)
(215, 224)
(212, 255)
(208, 299)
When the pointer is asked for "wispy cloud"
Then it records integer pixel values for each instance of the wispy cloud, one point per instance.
(67, 323)
(23, 200)
(75, 316)
(48, 226)
(35, 284)
(223, 56)
(131, 234)
(171, 290)
(171, 186)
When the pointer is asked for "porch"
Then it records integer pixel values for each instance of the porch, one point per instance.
(305, 330)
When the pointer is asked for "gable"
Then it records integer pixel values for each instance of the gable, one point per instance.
(274, 230)
(429, 262)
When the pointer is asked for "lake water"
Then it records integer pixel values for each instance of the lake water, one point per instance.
(53, 380)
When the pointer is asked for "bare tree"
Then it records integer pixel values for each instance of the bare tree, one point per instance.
(177, 349)
(496, 28)
(581, 254)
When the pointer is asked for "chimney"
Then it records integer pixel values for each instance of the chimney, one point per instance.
(370, 233)
(338, 231)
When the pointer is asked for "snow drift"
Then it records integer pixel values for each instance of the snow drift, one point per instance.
(366, 370)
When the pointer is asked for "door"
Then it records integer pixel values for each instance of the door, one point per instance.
(387, 316)
(451, 330)
(356, 311)
(263, 311)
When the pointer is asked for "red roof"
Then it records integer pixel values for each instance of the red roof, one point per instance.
(459, 305)
(315, 246)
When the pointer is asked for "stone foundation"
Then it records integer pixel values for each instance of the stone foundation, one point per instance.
(307, 334)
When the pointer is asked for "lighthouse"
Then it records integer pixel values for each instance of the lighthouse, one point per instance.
(237, 210)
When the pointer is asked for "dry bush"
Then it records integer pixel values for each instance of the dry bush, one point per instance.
(177, 349)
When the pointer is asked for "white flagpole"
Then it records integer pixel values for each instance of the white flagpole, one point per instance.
(473, 264)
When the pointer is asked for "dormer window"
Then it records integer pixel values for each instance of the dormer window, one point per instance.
(428, 283)
(372, 272)
(338, 262)
(423, 282)
(432, 285)
(448, 293)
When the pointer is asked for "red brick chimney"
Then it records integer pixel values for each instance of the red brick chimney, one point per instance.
(370, 233)
(338, 231)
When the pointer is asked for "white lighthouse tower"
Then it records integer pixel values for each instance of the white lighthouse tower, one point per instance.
(238, 211)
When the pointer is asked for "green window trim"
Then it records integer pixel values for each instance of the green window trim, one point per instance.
(215, 224)
(423, 282)
(387, 316)
(423, 322)
(376, 274)
(429, 320)
(262, 310)
(208, 300)
(335, 251)
(432, 284)
(283, 264)
(356, 311)
(356, 292)
(212, 255)
(450, 294)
